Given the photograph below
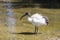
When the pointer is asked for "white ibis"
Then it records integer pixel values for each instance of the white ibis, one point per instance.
(36, 19)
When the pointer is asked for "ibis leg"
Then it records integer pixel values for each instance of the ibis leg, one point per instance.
(36, 29)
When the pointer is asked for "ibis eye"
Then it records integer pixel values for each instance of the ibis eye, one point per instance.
(26, 13)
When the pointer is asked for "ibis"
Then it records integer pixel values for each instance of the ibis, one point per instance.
(36, 19)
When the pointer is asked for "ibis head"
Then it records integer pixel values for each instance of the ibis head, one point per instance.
(26, 14)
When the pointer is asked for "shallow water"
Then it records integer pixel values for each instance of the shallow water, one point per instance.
(11, 21)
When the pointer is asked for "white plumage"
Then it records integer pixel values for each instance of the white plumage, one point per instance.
(36, 19)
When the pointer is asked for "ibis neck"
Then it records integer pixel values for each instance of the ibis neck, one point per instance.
(28, 15)
(29, 18)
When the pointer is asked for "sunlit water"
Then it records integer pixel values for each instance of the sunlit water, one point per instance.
(11, 21)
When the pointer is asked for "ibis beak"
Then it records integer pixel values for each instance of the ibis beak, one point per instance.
(22, 16)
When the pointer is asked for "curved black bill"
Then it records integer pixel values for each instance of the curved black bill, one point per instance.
(22, 17)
